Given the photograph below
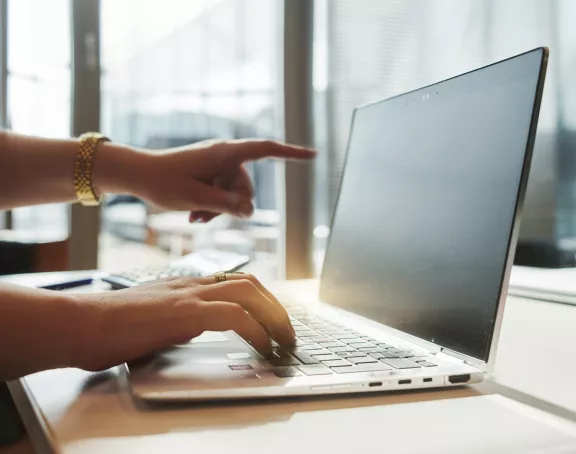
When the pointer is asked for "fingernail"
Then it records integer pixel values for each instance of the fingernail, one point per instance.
(245, 210)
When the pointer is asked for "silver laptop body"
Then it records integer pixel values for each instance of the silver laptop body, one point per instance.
(416, 272)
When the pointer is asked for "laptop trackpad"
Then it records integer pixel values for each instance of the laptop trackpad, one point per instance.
(203, 362)
(212, 347)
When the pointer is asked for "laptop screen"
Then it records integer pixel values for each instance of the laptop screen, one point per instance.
(426, 212)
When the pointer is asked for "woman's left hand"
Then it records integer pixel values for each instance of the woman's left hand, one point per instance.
(207, 178)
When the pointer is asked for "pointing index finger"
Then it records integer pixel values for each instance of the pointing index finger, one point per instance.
(252, 150)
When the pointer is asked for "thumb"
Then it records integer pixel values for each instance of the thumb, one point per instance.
(217, 200)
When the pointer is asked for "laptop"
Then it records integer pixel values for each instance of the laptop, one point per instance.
(416, 271)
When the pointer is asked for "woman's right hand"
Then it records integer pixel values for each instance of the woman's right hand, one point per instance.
(120, 326)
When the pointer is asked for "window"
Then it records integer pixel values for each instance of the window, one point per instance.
(176, 72)
(38, 48)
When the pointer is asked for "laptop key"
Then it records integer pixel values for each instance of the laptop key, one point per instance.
(320, 339)
(300, 328)
(329, 357)
(342, 349)
(353, 355)
(345, 369)
(310, 319)
(426, 364)
(342, 337)
(336, 363)
(362, 345)
(383, 345)
(305, 358)
(285, 372)
(331, 344)
(316, 369)
(365, 360)
(372, 367)
(284, 361)
(401, 363)
(302, 342)
(333, 332)
(308, 333)
(312, 348)
(355, 340)
(376, 355)
(320, 327)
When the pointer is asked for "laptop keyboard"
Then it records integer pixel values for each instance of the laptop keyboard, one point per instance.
(141, 276)
(324, 347)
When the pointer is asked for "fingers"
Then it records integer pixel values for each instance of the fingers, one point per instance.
(202, 216)
(252, 150)
(220, 201)
(239, 183)
(268, 312)
(225, 316)
(266, 292)
(239, 275)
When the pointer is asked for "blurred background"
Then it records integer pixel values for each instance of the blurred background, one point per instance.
(163, 73)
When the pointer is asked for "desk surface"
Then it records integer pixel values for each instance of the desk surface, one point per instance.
(72, 411)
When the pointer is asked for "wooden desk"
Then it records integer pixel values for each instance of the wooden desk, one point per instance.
(71, 411)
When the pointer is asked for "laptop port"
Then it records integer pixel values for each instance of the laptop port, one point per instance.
(464, 378)
(427, 380)
(404, 382)
(373, 384)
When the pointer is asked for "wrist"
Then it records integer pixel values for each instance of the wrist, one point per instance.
(85, 331)
(117, 169)
(69, 330)
(57, 331)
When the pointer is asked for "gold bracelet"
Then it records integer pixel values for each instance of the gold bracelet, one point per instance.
(83, 168)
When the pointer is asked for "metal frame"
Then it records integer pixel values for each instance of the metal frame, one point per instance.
(5, 216)
(295, 250)
(3, 63)
(85, 222)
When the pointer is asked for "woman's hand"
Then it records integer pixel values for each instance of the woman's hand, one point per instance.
(207, 178)
(120, 326)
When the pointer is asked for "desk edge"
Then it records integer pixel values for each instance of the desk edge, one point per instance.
(32, 417)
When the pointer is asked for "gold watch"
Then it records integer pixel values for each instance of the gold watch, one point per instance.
(83, 185)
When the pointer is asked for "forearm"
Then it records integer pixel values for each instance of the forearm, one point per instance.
(38, 329)
(35, 171)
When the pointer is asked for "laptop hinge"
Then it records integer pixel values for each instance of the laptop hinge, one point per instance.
(464, 358)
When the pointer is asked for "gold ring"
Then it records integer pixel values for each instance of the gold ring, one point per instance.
(220, 276)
